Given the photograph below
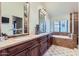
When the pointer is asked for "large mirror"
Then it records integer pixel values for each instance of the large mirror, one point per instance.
(14, 18)
(42, 22)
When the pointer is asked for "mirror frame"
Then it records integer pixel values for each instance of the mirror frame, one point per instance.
(28, 14)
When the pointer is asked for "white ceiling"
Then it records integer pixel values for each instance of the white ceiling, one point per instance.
(60, 8)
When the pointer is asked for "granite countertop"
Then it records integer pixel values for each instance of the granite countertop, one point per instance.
(18, 40)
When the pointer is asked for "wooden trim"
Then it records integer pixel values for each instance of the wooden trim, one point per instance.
(28, 18)
(75, 23)
(70, 22)
(28, 15)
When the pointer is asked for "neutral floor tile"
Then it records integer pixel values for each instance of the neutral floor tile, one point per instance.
(61, 51)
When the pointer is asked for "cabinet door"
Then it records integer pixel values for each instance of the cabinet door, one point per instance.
(18, 48)
(3, 53)
(43, 48)
(23, 53)
(49, 43)
(34, 50)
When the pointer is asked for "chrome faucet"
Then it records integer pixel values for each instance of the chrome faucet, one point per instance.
(3, 36)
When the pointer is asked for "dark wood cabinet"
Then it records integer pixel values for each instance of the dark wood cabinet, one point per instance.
(49, 41)
(16, 49)
(34, 51)
(43, 45)
(23, 53)
(4, 53)
(43, 48)
(34, 47)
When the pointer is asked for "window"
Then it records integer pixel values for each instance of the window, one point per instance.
(60, 26)
(64, 26)
(56, 26)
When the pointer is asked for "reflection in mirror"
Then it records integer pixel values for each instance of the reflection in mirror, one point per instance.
(17, 25)
(14, 18)
(42, 23)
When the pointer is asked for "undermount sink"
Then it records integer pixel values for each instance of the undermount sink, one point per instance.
(2, 39)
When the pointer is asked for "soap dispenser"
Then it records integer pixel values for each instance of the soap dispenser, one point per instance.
(37, 29)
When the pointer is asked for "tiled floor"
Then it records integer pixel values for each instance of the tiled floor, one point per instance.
(61, 51)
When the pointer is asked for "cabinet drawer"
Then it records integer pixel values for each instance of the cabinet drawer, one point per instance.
(23, 53)
(16, 49)
(43, 39)
(34, 50)
(3, 53)
(34, 42)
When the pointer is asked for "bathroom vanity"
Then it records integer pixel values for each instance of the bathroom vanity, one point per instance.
(30, 45)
